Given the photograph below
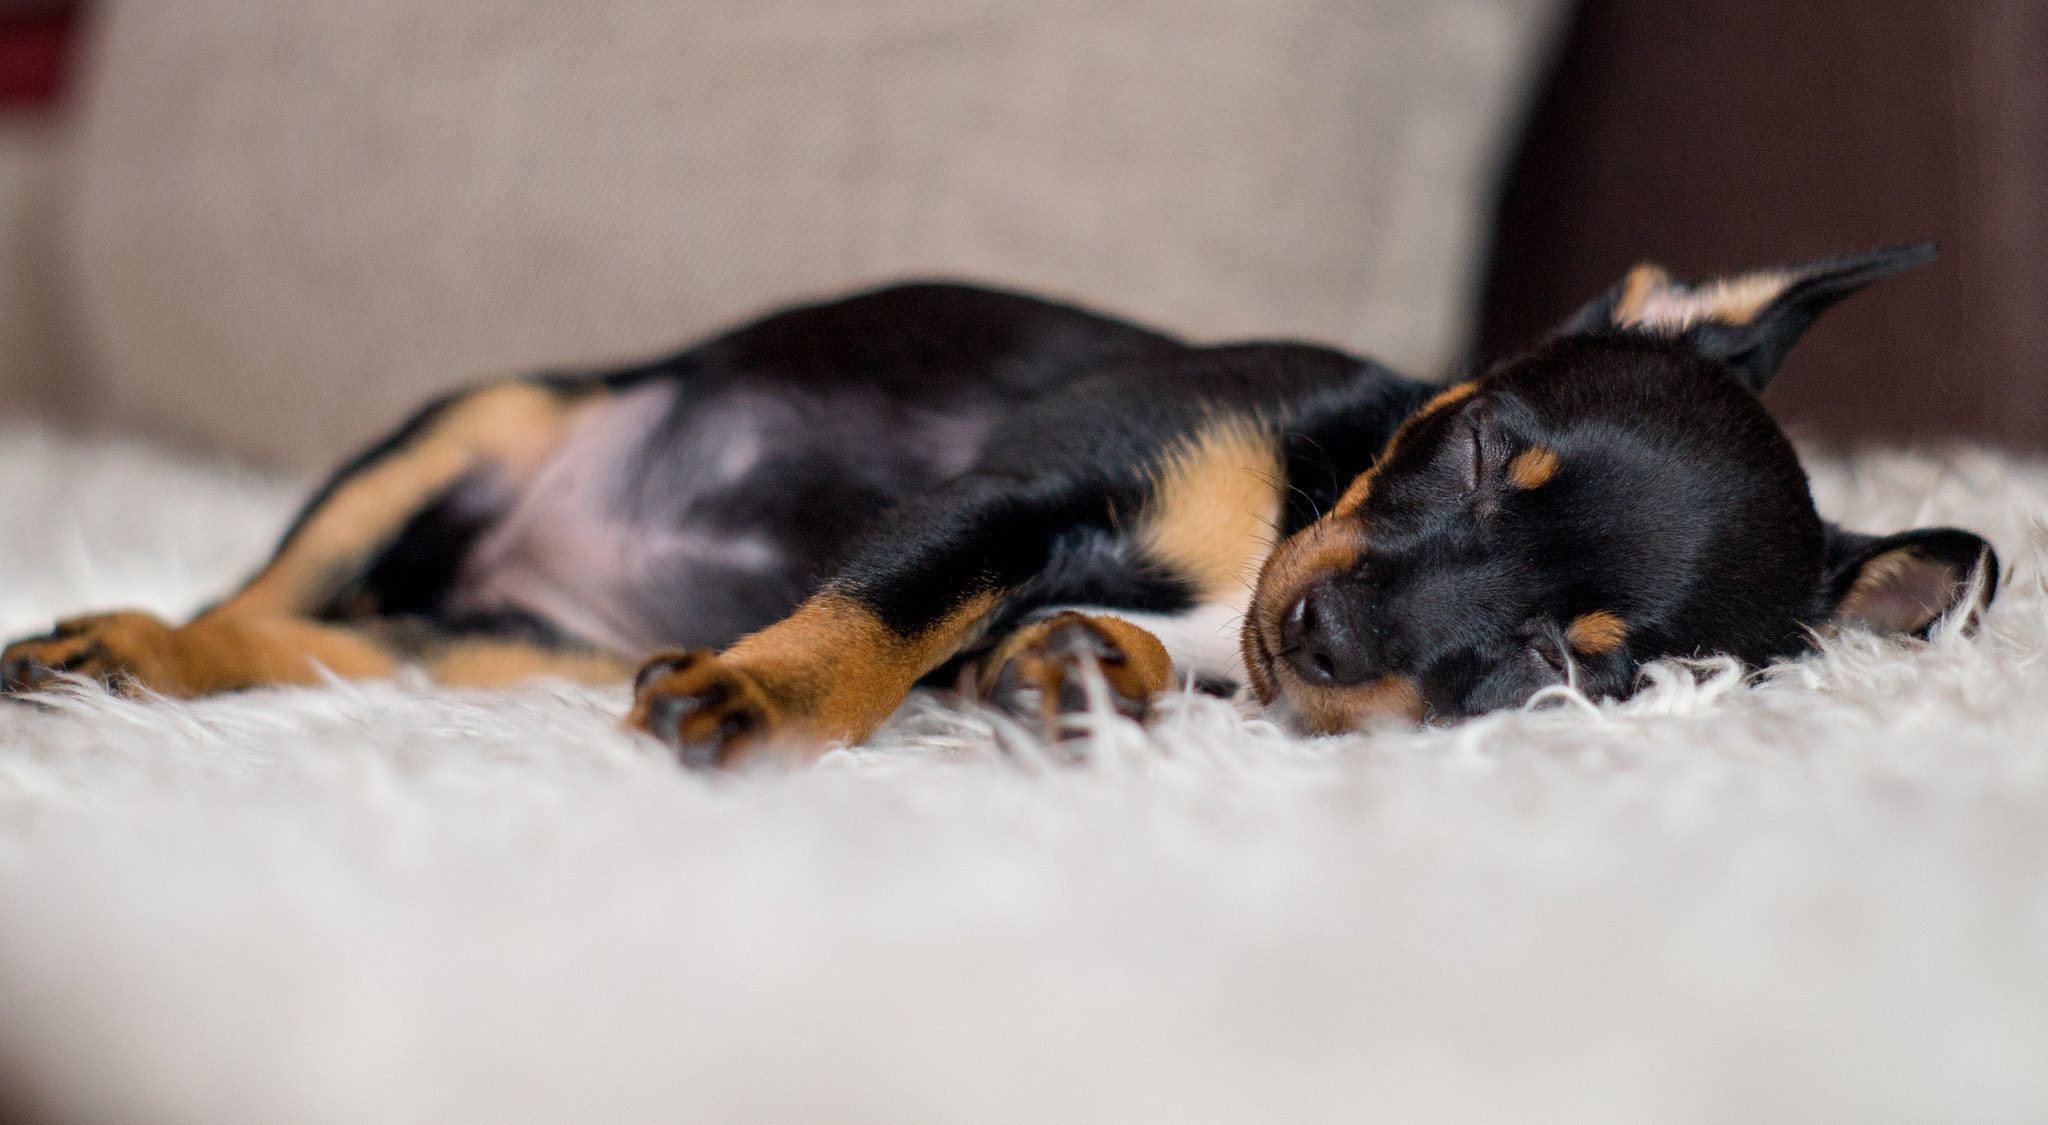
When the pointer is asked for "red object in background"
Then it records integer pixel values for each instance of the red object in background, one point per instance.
(35, 53)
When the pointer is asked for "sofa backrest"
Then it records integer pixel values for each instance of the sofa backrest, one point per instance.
(298, 219)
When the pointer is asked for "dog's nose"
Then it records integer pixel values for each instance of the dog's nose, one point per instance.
(1321, 642)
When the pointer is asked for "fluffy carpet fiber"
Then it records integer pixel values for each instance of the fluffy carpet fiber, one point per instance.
(1818, 895)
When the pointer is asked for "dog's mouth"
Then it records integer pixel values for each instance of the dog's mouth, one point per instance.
(1324, 549)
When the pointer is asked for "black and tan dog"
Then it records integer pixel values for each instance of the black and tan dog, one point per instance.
(809, 515)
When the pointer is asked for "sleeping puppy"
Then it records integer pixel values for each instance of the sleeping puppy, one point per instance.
(789, 526)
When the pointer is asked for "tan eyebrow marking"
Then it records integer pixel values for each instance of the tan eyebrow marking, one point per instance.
(1532, 468)
(1596, 633)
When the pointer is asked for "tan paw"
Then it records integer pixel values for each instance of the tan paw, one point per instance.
(709, 713)
(125, 651)
(1037, 674)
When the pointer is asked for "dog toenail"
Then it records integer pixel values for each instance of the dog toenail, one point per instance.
(665, 716)
(656, 668)
(701, 756)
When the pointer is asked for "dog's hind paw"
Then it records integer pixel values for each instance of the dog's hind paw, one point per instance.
(1037, 674)
(124, 651)
(708, 712)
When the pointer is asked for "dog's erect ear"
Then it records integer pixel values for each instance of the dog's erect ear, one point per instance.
(1905, 583)
(1750, 320)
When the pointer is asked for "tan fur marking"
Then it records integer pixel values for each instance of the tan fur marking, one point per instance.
(1355, 494)
(1345, 709)
(227, 650)
(1329, 545)
(1145, 670)
(261, 635)
(1332, 543)
(138, 646)
(1017, 644)
(834, 670)
(514, 426)
(244, 652)
(1883, 595)
(220, 651)
(1653, 302)
(1636, 288)
(494, 663)
(1596, 634)
(1532, 468)
(1449, 396)
(1216, 507)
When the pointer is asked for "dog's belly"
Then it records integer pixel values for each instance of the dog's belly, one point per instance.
(666, 521)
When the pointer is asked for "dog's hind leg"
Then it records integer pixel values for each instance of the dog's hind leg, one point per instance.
(314, 606)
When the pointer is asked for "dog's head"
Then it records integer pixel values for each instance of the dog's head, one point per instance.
(1613, 495)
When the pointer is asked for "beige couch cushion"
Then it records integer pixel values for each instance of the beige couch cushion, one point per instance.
(299, 218)
(38, 373)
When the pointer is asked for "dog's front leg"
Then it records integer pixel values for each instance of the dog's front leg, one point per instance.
(915, 595)
(1038, 673)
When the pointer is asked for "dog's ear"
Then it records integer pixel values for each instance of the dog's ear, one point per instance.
(1905, 583)
(1749, 320)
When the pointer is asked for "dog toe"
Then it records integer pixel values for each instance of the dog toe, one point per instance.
(1040, 676)
(124, 651)
(708, 714)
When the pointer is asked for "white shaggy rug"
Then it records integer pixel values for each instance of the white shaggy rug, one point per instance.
(1823, 897)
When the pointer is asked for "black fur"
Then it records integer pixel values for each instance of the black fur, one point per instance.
(1070, 412)
(1044, 512)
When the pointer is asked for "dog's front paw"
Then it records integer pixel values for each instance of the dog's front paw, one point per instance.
(710, 713)
(1038, 674)
(124, 651)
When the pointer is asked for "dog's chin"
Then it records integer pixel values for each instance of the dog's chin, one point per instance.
(1290, 719)
(1392, 701)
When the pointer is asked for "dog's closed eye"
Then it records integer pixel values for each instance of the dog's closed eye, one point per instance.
(1488, 451)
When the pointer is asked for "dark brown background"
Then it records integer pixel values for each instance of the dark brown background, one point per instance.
(1717, 134)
